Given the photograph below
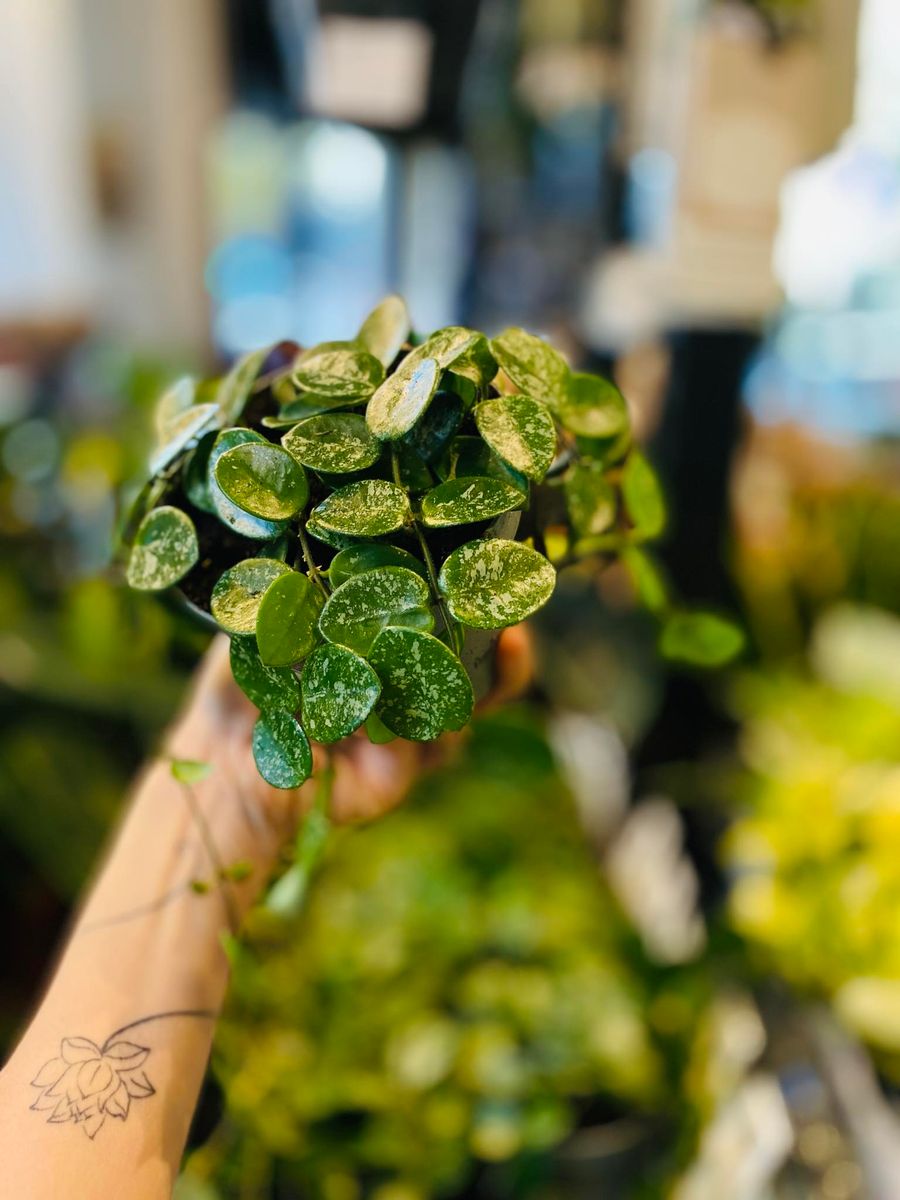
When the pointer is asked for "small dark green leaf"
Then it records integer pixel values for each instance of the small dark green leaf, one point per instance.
(424, 687)
(430, 436)
(239, 591)
(476, 363)
(648, 581)
(520, 431)
(196, 474)
(235, 389)
(590, 499)
(263, 480)
(347, 372)
(701, 639)
(184, 428)
(356, 560)
(357, 611)
(266, 687)
(368, 508)
(446, 346)
(281, 750)
(226, 510)
(593, 407)
(286, 620)
(643, 496)
(464, 500)
(339, 692)
(333, 442)
(164, 550)
(188, 770)
(402, 399)
(533, 366)
(493, 582)
(385, 330)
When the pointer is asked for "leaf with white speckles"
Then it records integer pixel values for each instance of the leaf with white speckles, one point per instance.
(339, 691)
(590, 499)
(367, 508)
(333, 442)
(424, 687)
(164, 550)
(181, 431)
(225, 509)
(357, 611)
(402, 399)
(520, 431)
(533, 366)
(267, 687)
(463, 501)
(493, 582)
(385, 329)
(281, 750)
(347, 372)
(239, 591)
(593, 407)
(286, 621)
(263, 480)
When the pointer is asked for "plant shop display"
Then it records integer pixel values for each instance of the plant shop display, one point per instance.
(363, 516)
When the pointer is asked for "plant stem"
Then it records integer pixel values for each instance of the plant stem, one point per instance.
(314, 572)
(450, 625)
(222, 881)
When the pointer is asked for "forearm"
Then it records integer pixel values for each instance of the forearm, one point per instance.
(146, 946)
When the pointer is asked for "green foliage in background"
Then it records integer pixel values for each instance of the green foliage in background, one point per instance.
(459, 991)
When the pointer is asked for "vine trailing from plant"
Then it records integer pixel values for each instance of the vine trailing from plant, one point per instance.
(361, 518)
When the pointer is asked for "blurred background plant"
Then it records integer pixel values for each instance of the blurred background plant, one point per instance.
(637, 939)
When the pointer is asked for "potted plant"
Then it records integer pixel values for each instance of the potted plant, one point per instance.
(363, 517)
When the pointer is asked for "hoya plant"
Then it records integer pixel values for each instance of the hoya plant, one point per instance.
(362, 518)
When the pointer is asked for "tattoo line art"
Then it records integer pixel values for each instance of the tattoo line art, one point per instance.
(87, 1083)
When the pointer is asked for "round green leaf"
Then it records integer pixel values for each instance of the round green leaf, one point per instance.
(164, 550)
(494, 582)
(267, 687)
(643, 496)
(367, 508)
(702, 639)
(467, 499)
(424, 687)
(590, 499)
(339, 691)
(648, 580)
(476, 362)
(593, 407)
(239, 591)
(520, 431)
(446, 346)
(357, 611)
(346, 372)
(195, 477)
(182, 430)
(286, 620)
(225, 509)
(356, 560)
(385, 329)
(533, 366)
(263, 480)
(235, 389)
(402, 399)
(281, 750)
(334, 442)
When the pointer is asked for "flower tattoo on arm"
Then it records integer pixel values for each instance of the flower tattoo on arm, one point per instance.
(87, 1082)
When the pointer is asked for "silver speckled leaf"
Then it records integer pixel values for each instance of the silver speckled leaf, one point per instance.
(402, 399)
(533, 366)
(467, 499)
(357, 611)
(281, 750)
(346, 372)
(263, 480)
(520, 431)
(334, 442)
(424, 687)
(226, 510)
(164, 550)
(367, 508)
(239, 591)
(339, 691)
(287, 618)
(493, 582)
(266, 687)
(385, 329)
